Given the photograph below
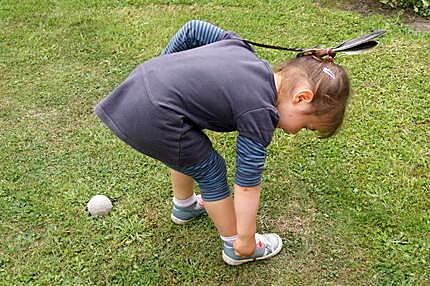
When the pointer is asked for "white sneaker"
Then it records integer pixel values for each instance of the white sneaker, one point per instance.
(268, 245)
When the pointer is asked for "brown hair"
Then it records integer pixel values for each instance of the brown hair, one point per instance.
(329, 83)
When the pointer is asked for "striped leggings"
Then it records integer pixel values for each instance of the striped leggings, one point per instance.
(193, 34)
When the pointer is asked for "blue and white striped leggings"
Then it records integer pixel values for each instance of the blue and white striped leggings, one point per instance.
(193, 34)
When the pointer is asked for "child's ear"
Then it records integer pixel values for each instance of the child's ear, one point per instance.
(304, 96)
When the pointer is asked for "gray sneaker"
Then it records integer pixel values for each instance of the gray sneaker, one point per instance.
(268, 245)
(183, 215)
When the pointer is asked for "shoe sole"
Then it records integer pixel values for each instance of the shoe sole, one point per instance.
(235, 262)
(178, 220)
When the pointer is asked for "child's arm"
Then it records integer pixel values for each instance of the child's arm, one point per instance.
(246, 200)
(193, 34)
(249, 166)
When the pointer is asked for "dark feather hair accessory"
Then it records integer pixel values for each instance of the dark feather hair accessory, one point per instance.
(355, 46)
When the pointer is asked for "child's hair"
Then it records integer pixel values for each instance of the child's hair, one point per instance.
(329, 83)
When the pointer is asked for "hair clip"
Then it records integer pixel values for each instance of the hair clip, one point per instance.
(329, 72)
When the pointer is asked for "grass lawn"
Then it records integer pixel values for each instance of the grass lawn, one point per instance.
(352, 210)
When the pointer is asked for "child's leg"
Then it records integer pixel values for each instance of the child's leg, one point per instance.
(193, 34)
(186, 205)
(223, 216)
(221, 212)
(211, 176)
(182, 185)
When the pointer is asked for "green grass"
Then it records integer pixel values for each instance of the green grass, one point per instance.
(352, 210)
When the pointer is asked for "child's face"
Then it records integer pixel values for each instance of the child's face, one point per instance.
(292, 120)
(295, 112)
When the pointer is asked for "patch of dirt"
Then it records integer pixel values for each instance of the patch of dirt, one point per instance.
(371, 7)
(300, 224)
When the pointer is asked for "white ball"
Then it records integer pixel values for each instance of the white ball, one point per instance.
(99, 205)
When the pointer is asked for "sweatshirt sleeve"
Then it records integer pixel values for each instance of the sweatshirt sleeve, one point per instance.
(258, 124)
(250, 158)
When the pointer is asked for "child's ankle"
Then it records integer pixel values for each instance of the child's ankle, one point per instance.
(186, 202)
(229, 240)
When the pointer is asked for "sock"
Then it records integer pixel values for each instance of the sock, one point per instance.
(228, 239)
(185, 203)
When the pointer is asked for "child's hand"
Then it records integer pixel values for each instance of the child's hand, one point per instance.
(244, 246)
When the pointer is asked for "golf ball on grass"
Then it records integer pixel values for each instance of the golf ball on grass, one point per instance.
(99, 205)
